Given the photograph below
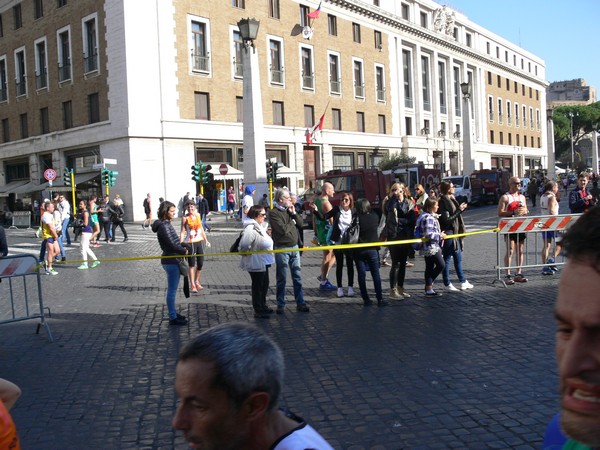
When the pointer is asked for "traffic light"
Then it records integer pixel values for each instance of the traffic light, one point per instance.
(196, 169)
(275, 168)
(67, 176)
(105, 177)
(269, 170)
(112, 177)
(206, 176)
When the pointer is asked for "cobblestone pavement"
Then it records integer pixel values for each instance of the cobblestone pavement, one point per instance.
(472, 369)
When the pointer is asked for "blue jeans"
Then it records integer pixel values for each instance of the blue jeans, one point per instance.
(448, 252)
(368, 258)
(173, 276)
(60, 245)
(283, 260)
(65, 230)
(206, 227)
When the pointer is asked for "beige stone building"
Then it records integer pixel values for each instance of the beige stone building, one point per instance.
(156, 85)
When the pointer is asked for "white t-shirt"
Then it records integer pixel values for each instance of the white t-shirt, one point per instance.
(303, 438)
(65, 209)
(247, 202)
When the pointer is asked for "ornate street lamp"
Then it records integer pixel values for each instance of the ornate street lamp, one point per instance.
(468, 162)
(249, 30)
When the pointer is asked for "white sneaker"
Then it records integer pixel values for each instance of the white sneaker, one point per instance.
(450, 287)
(466, 285)
(340, 292)
(350, 292)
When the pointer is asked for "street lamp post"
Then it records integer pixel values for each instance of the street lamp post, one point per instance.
(468, 162)
(550, 139)
(571, 115)
(255, 155)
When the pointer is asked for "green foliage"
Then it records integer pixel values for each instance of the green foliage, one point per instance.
(395, 160)
(586, 118)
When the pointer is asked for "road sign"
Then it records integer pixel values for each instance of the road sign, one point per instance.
(50, 174)
(109, 161)
(223, 169)
(98, 166)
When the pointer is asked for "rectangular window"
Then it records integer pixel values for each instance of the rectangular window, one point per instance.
(380, 83)
(238, 4)
(375, 2)
(523, 90)
(497, 52)
(90, 46)
(332, 24)
(304, 19)
(378, 39)
(524, 116)
(41, 65)
(1, 27)
(200, 53)
(469, 40)
(336, 119)
(509, 138)
(508, 112)
(531, 140)
(3, 81)
(500, 117)
(442, 87)
(360, 121)
(359, 85)
(425, 83)
(5, 131)
(356, 33)
(489, 76)
(239, 109)
(530, 93)
(21, 73)
(507, 84)
(516, 115)
(524, 141)
(499, 79)
(408, 126)
(38, 9)
(67, 108)
(518, 140)
(491, 108)
(202, 104)
(407, 78)
(538, 122)
(64, 56)
(487, 47)
(276, 61)
(238, 45)
(537, 95)
(24, 126)
(278, 117)
(18, 18)
(491, 136)
(335, 81)
(457, 92)
(405, 11)
(93, 108)
(309, 116)
(424, 20)
(531, 124)
(44, 121)
(506, 55)
(381, 121)
(308, 76)
(501, 138)
(274, 11)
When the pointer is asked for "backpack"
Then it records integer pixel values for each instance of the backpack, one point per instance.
(236, 244)
(418, 235)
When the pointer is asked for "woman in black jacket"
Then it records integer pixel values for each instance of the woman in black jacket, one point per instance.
(343, 216)
(168, 239)
(368, 257)
(451, 222)
(399, 225)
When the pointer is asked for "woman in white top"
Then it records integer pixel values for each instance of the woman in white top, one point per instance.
(549, 207)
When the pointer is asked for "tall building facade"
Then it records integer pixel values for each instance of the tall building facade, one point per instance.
(157, 85)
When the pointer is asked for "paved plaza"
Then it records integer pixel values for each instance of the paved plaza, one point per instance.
(472, 369)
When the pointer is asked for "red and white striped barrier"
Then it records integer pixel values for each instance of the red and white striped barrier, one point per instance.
(526, 224)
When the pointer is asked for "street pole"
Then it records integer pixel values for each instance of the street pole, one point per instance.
(550, 139)
(572, 147)
(468, 162)
(255, 155)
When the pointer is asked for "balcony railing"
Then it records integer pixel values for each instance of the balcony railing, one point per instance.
(426, 105)
(21, 87)
(457, 111)
(516, 121)
(308, 81)
(408, 102)
(538, 125)
(64, 71)
(500, 118)
(359, 90)
(41, 80)
(381, 95)
(90, 62)
(524, 123)
(443, 109)
(277, 76)
(335, 86)
(509, 120)
(201, 62)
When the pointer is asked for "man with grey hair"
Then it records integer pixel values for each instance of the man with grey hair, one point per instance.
(283, 220)
(228, 381)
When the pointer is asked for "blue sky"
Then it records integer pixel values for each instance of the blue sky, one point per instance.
(563, 34)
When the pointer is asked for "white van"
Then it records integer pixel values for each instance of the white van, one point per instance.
(462, 188)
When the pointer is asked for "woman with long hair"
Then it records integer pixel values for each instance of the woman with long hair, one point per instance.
(193, 237)
(93, 210)
(429, 227)
(168, 239)
(86, 236)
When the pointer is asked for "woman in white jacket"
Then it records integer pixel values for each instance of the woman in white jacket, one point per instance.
(256, 238)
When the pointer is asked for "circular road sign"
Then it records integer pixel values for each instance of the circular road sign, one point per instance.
(223, 169)
(50, 174)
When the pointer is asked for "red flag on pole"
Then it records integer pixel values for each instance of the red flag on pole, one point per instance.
(316, 12)
(311, 132)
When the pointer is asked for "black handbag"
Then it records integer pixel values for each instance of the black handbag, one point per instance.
(350, 236)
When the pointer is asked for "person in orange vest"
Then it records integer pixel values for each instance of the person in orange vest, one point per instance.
(193, 236)
(9, 394)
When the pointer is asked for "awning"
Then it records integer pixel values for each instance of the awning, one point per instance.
(232, 173)
(285, 172)
(9, 187)
(26, 188)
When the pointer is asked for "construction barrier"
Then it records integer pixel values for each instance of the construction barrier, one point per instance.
(19, 275)
(21, 219)
(537, 230)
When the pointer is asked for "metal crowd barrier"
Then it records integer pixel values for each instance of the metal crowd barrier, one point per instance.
(15, 304)
(21, 219)
(533, 227)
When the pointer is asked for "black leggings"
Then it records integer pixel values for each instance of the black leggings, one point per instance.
(433, 267)
(339, 269)
(260, 286)
(399, 254)
(196, 250)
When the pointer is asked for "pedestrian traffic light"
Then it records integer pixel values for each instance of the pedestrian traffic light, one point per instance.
(112, 177)
(105, 177)
(206, 176)
(196, 169)
(67, 176)
(269, 170)
(274, 168)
